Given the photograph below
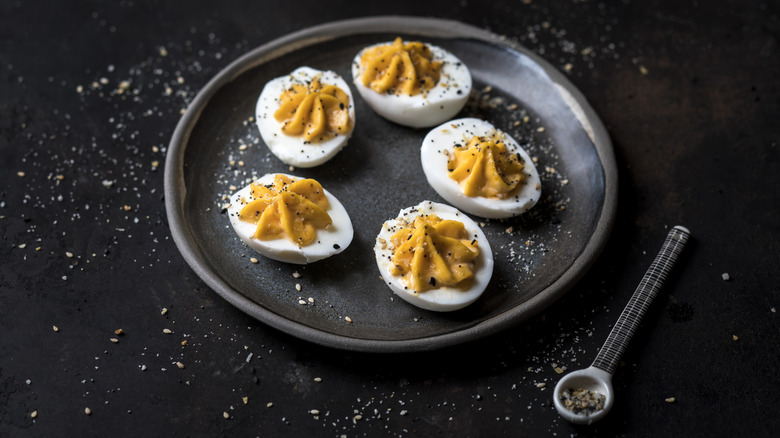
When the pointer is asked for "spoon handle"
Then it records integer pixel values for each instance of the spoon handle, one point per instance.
(617, 341)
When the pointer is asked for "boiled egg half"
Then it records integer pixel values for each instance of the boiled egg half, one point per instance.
(480, 169)
(434, 257)
(290, 219)
(306, 117)
(411, 83)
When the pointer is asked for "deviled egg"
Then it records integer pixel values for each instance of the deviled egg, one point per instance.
(480, 169)
(290, 219)
(411, 83)
(305, 118)
(434, 257)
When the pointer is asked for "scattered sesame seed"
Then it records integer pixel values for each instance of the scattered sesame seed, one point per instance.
(20, 174)
(311, 300)
(301, 302)
(88, 411)
(164, 311)
(184, 342)
(643, 70)
(541, 385)
(245, 399)
(114, 340)
(127, 208)
(34, 414)
(296, 274)
(68, 254)
(318, 379)
(357, 417)
(348, 319)
(298, 287)
(242, 147)
(180, 365)
(735, 337)
(225, 415)
(559, 370)
(167, 331)
(670, 400)
(119, 332)
(725, 276)
(314, 412)
(403, 412)
(55, 328)
(269, 404)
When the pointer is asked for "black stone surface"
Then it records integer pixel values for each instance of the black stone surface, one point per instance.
(90, 93)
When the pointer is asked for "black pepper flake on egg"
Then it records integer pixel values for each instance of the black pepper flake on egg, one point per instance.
(432, 281)
(336, 246)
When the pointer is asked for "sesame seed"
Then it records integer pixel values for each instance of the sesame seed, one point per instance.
(167, 331)
(254, 260)
(242, 147)
(670, 400)
(55, 328)
(298, 287)
(318, 379)
(34, 414)
(88, 411)
(114, 340)
(245, 399)
(296, 274)
(164, 311)
(180, 365)
(301, 302)
(119, 332)
(541, 385)
(269, 404)
(225, 415)
(348, 319)
(20, 174)
(184, 342)
(735, 337)
(69, 254)
(314, 412)
(311, 300)
(357, 417)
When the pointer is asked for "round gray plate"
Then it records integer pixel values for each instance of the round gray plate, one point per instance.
(538, 256)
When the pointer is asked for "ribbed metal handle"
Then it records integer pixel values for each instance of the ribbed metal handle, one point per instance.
(617, 341)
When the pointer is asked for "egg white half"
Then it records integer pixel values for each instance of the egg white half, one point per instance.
(332, 240)
(442, 299)
(434, 154)
(438, 104)
(291, 149)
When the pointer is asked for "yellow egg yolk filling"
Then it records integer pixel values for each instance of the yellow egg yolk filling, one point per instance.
(486, 168)
(400, 68)
(431, 253)
(287, 209)
(315, 111)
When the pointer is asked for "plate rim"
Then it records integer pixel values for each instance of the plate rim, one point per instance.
(175, 189)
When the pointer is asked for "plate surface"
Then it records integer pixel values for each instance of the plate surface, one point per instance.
(538, 256)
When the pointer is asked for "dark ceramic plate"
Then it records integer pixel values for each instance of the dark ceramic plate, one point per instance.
(538, 256)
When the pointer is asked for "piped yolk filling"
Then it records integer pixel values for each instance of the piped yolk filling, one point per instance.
(287, 209)
(315, 111)
(486, 168)
(400, 68)
(431, 253)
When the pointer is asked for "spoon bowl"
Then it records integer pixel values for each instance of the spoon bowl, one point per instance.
(591, 379)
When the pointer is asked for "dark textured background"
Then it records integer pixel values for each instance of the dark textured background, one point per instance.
(688, 91)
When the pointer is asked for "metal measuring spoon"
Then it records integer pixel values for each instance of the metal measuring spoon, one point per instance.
(586, 395)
